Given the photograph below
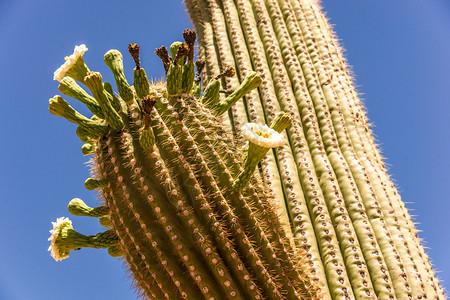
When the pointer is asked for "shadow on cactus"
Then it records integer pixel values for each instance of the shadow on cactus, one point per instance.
(181, 202)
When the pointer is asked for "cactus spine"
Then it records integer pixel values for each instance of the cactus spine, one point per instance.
(345, 212)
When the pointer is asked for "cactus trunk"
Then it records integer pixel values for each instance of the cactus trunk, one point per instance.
(344, 210)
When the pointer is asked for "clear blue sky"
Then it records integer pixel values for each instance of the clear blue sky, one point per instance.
(400, 53)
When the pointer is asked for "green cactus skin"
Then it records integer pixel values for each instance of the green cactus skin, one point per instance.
(345, 212)
(165, 166)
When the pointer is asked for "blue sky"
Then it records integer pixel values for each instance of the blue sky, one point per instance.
(399, 51)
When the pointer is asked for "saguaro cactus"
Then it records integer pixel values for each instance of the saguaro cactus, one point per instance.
(345, 212)
(179, 197)
(306, 211)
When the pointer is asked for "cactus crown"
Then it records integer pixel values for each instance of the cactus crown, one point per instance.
(180, 200)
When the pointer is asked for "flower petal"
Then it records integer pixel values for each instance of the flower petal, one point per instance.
(262, 135)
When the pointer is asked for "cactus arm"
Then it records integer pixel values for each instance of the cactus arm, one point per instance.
(164, 216)
(177, 198)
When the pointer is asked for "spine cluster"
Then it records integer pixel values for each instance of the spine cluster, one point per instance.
(332, 183)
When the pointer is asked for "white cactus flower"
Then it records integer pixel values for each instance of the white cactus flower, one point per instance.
(70, 61)
(57, 227)
(262, 135)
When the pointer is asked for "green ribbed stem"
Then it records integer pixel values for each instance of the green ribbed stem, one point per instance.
(68, 240)
(94, 82)
(188, 72)
(256, 153)
(140, 83)
(147, 139)
(114, 60)
(111, 96)
(251, 82)
(220, 236)
(207, 179)
(344, 211)
(70, 88)
(416, 263)
(176, 247)
(59, 107)
(191, 222)
(211, 93)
